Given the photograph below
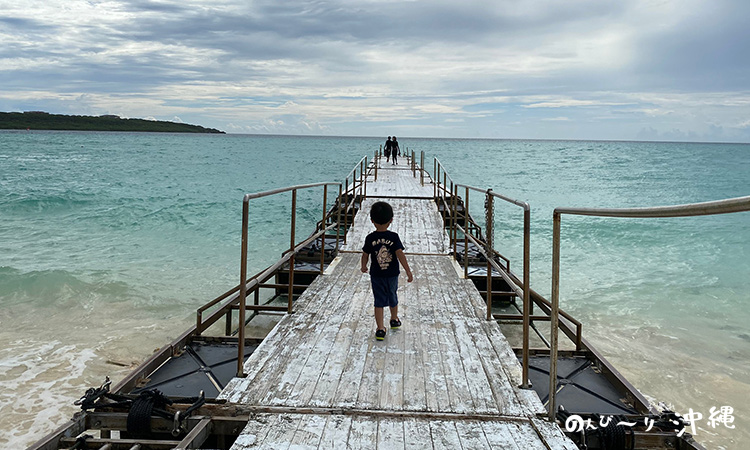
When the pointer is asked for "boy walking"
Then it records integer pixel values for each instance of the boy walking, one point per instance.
(385, 250)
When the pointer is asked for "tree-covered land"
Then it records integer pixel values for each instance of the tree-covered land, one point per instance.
(39, 120)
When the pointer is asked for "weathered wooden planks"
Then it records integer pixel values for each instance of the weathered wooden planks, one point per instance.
(397, 181)
(417, 222)
(446, 379)
(361, 431)
(443, 359)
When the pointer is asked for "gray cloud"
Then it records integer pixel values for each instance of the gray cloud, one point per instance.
(353, 67)
(708, 50)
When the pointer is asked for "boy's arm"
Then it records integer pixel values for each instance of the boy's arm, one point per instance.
(405, 264)
(365, 257)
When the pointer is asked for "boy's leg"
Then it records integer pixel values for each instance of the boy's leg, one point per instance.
(393, 302)
(394, 312)
(379, 318)
(395, 321)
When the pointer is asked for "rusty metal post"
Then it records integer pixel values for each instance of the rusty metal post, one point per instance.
(526, 294)
(338, 222)
(323, 227)
(489, 230)
(376, 162)
(243, 289)
(435, 179)
(466, 234)
(228, 323)
(364, 176)
(454, 216)
(421, 168)
(445, 183)
(346, 208)
(554, 314)
(444, 193)
(291, 249)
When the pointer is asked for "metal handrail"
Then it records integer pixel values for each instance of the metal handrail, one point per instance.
(438, 168)
(364, 169)
(362, 165)
(290, 255)
(489, 252)
(526, 296)
(421, 167)
(732, 205)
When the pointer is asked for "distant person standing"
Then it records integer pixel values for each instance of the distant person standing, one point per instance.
(395, 151)
(387, 149)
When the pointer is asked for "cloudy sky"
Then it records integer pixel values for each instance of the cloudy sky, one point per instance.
(549, 69)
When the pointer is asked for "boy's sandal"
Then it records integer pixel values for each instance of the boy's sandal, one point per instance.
(380, 335)
(395, 323)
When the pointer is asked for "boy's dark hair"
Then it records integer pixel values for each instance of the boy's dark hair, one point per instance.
(381, 213)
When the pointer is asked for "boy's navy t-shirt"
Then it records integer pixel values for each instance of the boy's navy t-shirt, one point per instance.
(382, 246)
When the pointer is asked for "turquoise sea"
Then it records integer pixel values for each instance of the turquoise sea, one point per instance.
(110, 241)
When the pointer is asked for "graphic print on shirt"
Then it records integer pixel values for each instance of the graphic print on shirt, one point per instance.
(384, 257)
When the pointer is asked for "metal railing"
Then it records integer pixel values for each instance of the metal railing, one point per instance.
(237, 297)
(473, 233)
(732, 205)
(289, 256)
(357, 188)
(522, 292)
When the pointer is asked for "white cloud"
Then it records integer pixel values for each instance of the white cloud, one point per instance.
(346, 67)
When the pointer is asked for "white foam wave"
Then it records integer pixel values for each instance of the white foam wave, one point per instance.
(40, 382)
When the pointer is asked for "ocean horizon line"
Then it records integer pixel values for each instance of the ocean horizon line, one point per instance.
(324, 136)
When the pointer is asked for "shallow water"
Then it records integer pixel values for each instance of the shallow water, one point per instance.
(109, 241)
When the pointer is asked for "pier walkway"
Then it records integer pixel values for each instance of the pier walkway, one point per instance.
(446, 379)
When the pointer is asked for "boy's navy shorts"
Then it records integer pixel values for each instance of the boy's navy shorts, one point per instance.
(384, 291)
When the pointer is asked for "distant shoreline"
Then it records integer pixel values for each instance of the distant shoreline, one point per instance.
(40, 120)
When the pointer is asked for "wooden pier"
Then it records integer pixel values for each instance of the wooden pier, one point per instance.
(446, 379)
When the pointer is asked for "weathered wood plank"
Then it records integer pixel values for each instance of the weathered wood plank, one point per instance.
(281, 433)
(391, 434)
(503, 358)
(446, 358)
(444, 435)
(392, 387)
(372, 375)
(335, 363)
(414, 387)
(309, 432)
(417, 223)
(453, 368)
(356, 358)
(363, 433)
(549, 432)
(336, 432)
(242, 390)
(524, 435)
(253, 434)
(472, 434)
(416, 434)
(499, 436)
(466, 332)
(397, 181)
(436, 384)
(312, 356)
